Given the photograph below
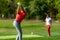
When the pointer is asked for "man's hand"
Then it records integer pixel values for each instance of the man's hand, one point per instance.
(19, 4)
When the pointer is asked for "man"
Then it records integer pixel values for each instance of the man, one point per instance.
(20, 15)
(48, 23)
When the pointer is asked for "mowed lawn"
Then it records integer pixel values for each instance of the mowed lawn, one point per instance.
(30, 27)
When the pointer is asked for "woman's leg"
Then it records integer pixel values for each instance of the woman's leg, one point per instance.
(48, 30)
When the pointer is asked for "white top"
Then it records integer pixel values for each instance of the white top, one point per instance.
(48, 21)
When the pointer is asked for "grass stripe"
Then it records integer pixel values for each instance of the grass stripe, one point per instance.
(24, 36)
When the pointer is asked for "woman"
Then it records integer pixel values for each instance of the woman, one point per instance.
(48, 24)
(20, 15)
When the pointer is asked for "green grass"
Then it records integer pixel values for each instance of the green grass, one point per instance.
(37, 27)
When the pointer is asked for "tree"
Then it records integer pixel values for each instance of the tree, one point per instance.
(12, 7)
(57, 5)
(3, 7)
(52, 9)
(41, 8)
(38, 8)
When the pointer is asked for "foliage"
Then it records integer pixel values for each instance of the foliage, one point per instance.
(58, 16)
(37, 9)
(6, 8)
(3, 7)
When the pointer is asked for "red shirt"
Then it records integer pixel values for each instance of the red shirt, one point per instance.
(20, 16)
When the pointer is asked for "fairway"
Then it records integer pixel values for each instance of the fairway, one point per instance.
(8, 31)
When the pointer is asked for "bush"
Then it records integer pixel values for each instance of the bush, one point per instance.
(58, 16)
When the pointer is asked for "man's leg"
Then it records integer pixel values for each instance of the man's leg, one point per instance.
(18, 28)
(19, 33)
(17, 38)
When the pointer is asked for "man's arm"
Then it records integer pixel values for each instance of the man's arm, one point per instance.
(20, 7)
(17, 10)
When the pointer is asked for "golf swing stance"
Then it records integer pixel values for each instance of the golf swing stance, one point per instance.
(20, 15)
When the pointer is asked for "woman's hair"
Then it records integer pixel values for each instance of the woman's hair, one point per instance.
(48, 15)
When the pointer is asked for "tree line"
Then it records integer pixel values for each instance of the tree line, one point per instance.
(37, 9)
